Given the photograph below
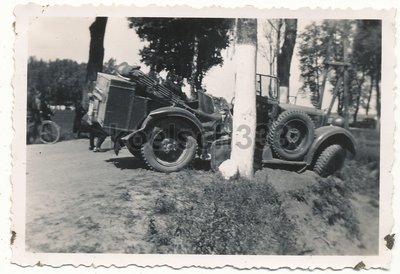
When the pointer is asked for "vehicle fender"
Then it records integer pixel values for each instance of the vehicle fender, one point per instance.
(170, 112)
(328, 135)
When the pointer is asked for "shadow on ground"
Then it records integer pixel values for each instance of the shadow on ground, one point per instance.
(127, 163)
(131, 162)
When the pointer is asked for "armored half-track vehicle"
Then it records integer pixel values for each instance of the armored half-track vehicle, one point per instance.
(168, 132)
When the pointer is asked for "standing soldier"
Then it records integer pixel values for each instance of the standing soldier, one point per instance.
(35, 104)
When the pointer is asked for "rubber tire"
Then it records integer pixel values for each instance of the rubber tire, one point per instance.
(274, 135)
(151, 159)
(54, 127)
(330, 160)
(136, 152)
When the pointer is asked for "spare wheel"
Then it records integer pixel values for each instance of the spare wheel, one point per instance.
(291, 135)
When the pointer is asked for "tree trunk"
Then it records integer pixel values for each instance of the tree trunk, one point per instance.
(285, 56)
(244, 116)
(193, 76)
(96, 53)
(278, 43)
(358, 99)
(378, 101)
(369, 96)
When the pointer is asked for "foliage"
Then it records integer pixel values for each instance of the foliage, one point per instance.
(367, 55)
(171, 43)
(59, 81)
(322, 42)
(367, 46)
(315, 43)
(110, 66)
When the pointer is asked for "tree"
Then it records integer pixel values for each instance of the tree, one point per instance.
(187, 47)
(313, 53)
(59, 81)
(286, 53)
(110, 66)
(272, 32)
(96, 53)
(321, 43)
(367, 48)
(244, 115)
(281, 39)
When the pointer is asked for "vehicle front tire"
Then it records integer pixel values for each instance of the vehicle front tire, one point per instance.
(330, 160)
(135, 148)
(169, 149)
(136, 152)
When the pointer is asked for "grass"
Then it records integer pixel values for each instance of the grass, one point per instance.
(361, 173)
(222, 217)
(368, 145)
(250, 217)
(333, 204)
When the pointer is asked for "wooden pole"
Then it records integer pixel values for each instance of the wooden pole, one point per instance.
(326, 68)
(335, 94)
(346, 77)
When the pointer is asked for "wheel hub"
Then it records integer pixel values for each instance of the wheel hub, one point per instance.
(293, 135)
(168, 145)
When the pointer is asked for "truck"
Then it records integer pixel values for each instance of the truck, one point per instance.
(167, 132)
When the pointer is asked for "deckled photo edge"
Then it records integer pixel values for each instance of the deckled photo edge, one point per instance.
(20, 256)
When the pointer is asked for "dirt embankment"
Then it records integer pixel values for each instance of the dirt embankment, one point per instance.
(79, 201)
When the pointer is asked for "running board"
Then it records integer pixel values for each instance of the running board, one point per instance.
(284, 162)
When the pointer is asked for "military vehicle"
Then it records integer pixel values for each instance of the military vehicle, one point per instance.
(167, 131)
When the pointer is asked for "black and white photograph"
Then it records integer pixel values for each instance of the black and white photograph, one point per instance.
(177, 134)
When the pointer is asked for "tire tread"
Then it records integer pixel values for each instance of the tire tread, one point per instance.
(321, 164)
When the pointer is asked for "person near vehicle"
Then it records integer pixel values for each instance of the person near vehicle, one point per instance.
(80, 111)
(84, 123)
(174, 83)
(95, 131)
(45, 110)
(34, 105)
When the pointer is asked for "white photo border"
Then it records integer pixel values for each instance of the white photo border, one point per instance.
(24, 258)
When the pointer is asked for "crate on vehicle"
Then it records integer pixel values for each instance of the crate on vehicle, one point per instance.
(117, 103)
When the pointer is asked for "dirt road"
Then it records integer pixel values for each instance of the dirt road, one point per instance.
(74, 194)
(80, 201)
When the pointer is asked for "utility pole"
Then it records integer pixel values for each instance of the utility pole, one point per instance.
(326, 67)
(346, 76)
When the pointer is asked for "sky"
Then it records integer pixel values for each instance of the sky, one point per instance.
(68, 38)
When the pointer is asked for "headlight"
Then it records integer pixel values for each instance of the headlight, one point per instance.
(339, 122)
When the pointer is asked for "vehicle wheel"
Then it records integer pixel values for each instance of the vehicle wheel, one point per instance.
(330, 160)
(136, 152)
(135, 149)
(291, 135)
(170, 147)
(49, 132)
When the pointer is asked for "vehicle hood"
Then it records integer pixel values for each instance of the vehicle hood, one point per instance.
(309, 110)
